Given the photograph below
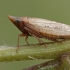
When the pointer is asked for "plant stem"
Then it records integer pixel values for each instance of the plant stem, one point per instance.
(53, 50)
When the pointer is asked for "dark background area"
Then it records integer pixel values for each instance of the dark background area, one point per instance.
(57, 10)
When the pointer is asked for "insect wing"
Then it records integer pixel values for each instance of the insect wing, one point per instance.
(48, 27)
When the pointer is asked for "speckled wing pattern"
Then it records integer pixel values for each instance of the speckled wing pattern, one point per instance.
(48, 28)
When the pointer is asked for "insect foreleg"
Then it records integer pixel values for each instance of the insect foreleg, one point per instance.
(21, 35)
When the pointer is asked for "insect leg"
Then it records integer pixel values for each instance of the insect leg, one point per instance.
(26, 39)
(38, 39)
(34, 34)
(21, 35)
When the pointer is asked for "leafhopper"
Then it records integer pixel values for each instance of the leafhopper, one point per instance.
(40, 28)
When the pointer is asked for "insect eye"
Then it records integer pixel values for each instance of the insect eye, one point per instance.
(17, 21)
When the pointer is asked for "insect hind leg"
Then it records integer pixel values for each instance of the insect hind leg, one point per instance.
(40, 41)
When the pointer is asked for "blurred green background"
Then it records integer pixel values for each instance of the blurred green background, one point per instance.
(57, 10)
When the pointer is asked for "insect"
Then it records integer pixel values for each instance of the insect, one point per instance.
(40, 28)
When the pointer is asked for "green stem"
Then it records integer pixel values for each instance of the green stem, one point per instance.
(34, 52)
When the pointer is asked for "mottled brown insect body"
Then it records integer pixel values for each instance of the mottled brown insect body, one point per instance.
(41, 28)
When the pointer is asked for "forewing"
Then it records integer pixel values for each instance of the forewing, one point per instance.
(47, 27)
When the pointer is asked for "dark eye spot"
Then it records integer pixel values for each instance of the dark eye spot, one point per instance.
(17, 21)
